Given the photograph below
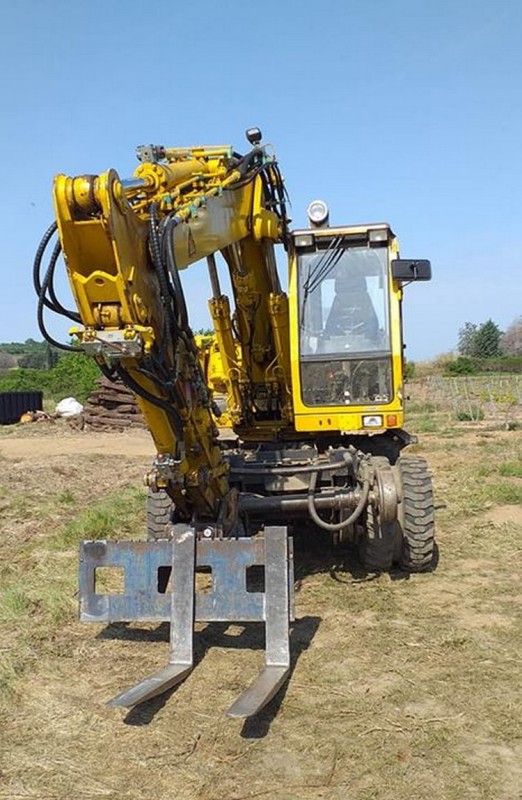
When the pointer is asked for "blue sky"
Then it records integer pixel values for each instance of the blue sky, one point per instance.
(407, 111)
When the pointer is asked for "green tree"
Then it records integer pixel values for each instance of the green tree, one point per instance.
(37, 360)
(463, 365)
(467, 334)
(487, 340)
(74, 374)
(409, 370)
(480, 341)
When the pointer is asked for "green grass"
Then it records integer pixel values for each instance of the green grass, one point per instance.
(14, 603)
(510, 470)
(469, 495)
(38, 587)
(426, 425)
(66, 497)
(116, 516)
(503, 493)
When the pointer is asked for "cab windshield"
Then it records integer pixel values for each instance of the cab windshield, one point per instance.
(344, 301)
(344, 325)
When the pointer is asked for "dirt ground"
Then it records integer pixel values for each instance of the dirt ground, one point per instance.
(402, 686)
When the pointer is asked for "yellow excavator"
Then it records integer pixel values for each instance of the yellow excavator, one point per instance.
(309, 384)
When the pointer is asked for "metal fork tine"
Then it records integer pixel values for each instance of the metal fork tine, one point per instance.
(149, 687)
(277, 608)
(181, 629)
(260, 692)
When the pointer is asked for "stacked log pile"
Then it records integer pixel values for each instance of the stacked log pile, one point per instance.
(112, 405)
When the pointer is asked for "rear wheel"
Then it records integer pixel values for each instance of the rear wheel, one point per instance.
(159, 510)
(416, 519)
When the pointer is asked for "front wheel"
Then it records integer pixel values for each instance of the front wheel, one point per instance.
(159, 511)
(415, 541)
(376, 544)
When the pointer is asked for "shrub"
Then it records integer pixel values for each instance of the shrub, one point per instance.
(437, 365)
(473, 414)
(24, 380)
(409, 370)
(461, 366)
(502, 364)
(74, 375)
(465, 365)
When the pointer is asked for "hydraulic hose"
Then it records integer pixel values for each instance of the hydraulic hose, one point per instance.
(157, 257)
(336, 526)
(46, 238)
(129, 381)
(53, 304)
(288, 469)
(41, 303)
(179, 298)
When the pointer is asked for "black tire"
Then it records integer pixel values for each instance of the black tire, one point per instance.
(159, 510)
(416, 518)
(376, 544)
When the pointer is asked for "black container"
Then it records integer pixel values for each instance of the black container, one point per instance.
(14, 404)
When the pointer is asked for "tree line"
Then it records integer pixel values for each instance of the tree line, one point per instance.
(485, 347)
(488, 341)
(29, 354)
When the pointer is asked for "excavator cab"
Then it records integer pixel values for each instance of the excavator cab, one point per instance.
(345, 306)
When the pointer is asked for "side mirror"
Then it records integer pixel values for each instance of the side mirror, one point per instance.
(410, 269)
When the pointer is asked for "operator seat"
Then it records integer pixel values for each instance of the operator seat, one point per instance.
(352, 310)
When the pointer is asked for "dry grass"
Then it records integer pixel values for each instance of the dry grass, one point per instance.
(401, 687)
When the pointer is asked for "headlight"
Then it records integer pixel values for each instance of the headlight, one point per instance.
(318, 213)
(372, 421)
(302, 240)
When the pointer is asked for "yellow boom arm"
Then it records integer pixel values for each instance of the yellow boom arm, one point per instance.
(124, 243)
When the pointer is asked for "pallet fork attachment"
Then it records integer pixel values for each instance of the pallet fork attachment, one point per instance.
(229, 600)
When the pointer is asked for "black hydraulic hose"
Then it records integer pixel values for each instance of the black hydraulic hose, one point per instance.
(283, 200)
(163, 257)
(248, 160)
(336, 526)
(157, 257)
(46, 238)
(164, 383)
(160, 261)
(53, 304)
(41, 304)
(129, 381)
(166, 290)
(159, 365)
(288, 469)
(181, 306)
(247, 178)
